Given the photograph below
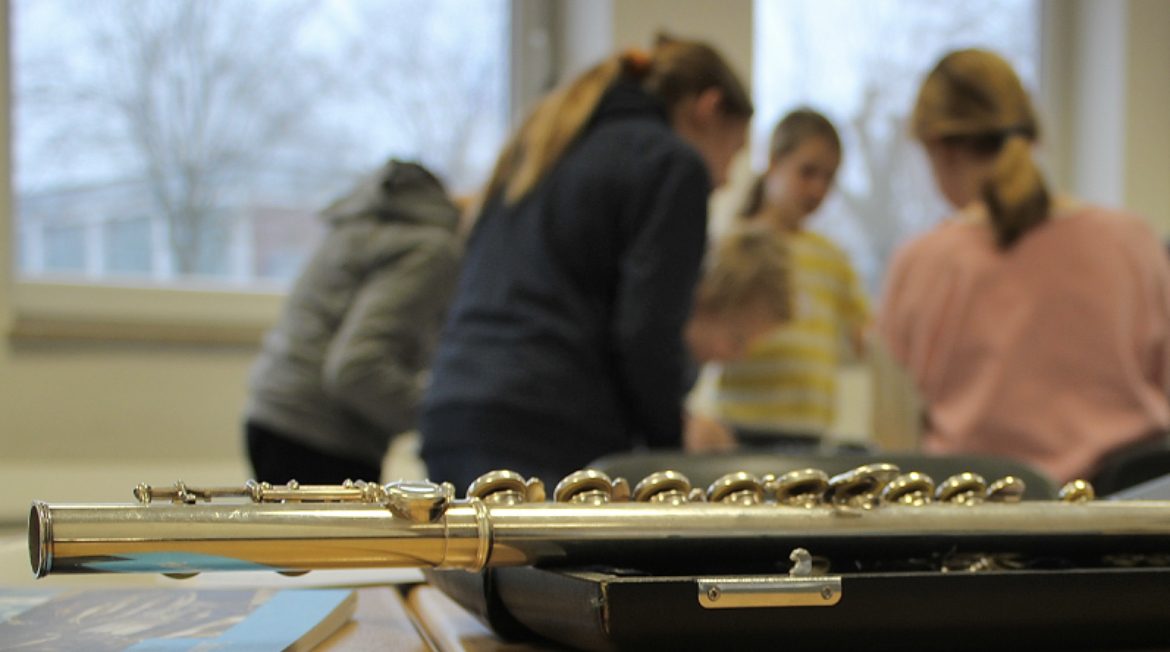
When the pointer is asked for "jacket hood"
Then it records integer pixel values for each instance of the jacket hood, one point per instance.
(626, 99)
(399, 191)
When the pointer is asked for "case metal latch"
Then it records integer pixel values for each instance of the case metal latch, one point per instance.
(768, 591)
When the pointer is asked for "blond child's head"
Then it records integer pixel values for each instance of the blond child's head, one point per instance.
(743, 293)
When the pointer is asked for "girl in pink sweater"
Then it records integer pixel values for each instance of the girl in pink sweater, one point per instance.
(1034, 327)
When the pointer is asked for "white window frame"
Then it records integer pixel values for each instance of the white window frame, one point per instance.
(188, 312)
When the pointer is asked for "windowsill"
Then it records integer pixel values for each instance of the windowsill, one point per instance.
(53, 311)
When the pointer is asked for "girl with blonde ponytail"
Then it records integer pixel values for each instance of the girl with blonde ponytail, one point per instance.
(565, 339)
(972, 109)
(1034, 326)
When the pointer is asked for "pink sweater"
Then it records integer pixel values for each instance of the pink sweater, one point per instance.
(1054, 352)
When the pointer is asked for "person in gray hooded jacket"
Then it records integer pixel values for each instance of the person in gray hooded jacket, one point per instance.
(340, 374)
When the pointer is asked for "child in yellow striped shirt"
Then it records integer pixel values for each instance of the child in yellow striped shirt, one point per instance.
(784, 390)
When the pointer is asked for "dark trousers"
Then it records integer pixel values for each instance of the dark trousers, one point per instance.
(277, 459)
(789, 442)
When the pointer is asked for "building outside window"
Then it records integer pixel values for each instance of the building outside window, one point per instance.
(168, 141)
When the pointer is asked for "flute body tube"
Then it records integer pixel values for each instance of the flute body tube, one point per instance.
(421, 524)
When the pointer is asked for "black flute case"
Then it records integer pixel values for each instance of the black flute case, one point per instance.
(608, 609)
(1050, 605)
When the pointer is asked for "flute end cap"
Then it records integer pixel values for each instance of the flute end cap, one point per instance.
(39, 538)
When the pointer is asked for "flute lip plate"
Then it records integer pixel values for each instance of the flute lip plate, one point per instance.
(40, 535)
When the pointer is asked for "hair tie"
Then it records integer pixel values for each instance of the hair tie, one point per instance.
(636, 62)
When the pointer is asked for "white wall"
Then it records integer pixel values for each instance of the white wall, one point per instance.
(1096, 108)
(1147, 111)
(585, 34)
(88, 420)
(1116, 99)
(725, 24)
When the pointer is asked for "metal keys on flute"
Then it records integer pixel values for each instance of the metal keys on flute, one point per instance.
(505, 520)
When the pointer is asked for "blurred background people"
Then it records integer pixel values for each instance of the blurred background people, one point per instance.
(1034, 326)
(565, 338)
(340, 374)
(783, 392)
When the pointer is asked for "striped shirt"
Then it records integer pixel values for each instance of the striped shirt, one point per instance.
(787, 381)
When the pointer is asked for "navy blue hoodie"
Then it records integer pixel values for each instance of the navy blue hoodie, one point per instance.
(571, 302)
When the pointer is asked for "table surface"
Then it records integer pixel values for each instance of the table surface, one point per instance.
(395, 610)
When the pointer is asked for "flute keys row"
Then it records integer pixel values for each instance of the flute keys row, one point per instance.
(864, 487)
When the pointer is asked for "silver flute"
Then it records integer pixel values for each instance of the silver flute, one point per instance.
(506, 520)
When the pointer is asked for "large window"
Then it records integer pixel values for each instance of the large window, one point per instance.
(170, 140)
(860, 63)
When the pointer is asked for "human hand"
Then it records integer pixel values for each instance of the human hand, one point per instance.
(702, 434)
